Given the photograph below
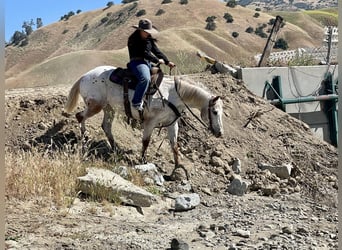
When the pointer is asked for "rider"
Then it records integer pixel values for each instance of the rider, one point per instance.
(143, 50)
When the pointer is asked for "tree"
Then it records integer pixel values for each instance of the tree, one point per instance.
(39, 22)
(110, 4)
(27, 26)
(141, 13)
(250, 29)
(78, 11)
(231, 3)
(235, 34)
(281, 44)
(17, 37)
(228, 17)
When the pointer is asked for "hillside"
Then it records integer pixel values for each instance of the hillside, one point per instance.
(60, 52)
(44, 209)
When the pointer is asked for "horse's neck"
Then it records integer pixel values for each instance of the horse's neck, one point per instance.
(192, 95)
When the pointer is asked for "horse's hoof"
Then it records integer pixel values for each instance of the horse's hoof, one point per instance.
(179, 174)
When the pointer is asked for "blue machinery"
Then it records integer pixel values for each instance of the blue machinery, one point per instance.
(328, 101)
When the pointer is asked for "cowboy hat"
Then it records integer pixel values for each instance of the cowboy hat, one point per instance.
(146, 25)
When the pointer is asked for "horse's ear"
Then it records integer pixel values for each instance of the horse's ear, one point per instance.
(216, 98)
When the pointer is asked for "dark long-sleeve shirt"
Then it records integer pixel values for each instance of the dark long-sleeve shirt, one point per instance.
(147, 49)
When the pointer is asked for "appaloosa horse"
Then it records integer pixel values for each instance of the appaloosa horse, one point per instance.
(162, 110)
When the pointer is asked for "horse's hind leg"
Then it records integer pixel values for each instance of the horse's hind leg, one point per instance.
(92, 108)
(107, 122)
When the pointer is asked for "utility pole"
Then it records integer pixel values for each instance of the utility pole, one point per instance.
(270, 41)
(329, 44)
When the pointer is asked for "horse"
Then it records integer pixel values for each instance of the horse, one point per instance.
(163, 109)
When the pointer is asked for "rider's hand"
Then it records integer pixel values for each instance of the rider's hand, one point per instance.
(171, 65)
(161, 61)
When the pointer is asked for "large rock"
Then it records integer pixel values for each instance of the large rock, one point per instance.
(238, 186)
(283, 171)
(186, 202)
(99, 180)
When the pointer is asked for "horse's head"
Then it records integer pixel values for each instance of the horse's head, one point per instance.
(212, 115)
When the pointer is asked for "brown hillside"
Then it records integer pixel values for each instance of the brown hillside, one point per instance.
(182, 30)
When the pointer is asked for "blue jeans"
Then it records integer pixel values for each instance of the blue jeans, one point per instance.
(141, 70)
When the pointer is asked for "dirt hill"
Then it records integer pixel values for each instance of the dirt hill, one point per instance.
(298, 211)
(58, 53)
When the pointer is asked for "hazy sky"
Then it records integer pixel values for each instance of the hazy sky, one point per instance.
(18, 11)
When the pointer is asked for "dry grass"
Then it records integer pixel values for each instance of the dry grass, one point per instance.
(32, 175)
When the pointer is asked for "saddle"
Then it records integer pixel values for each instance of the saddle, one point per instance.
(127, 79)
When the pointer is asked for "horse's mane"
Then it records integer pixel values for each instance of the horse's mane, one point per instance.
(190, 89)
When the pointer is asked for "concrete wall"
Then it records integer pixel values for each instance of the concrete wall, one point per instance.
(296, 82)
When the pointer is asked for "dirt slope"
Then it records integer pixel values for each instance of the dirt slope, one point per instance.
(301, 212)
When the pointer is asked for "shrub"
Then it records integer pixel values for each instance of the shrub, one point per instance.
(166, 1)
(183, 1)
(256, 15)
(85, 27)
(18, 37)
(281, 44)
(24, 42)
(110, 4)
(228, 17)
(141, 13)
(231, 3)
(210, 19)
(235, 34)
(250, 29)
(271, 21)
(160, 12)
(104, 19)
(210, 26)
(257, 9)
(78, 11)
(128, 1)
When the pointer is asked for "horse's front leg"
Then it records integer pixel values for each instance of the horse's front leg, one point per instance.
(148, 128)
(173, 136)
(107, 122)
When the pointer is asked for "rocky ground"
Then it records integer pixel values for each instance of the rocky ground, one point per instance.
(299, 212)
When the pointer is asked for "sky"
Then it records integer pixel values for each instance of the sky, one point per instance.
(18, 11)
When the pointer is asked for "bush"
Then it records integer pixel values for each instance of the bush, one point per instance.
(271, 21)
(110, 4)
(210, 19)
(281, 44)
(257, 9)
(228, 17)
(211, 26)
(250, 29)
(85, 27)
(128, 1)
(141, 13)
(235, 34)
(183, 1)
(166, 1)
(104, 19)
(231, 3)
(160, 12)
(256, 15)
(18, 37)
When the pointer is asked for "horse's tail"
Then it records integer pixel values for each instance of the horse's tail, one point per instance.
(73, 97)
